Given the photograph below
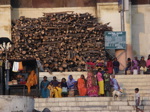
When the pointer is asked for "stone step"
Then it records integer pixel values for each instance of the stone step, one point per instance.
(142, 95)
(133, 87)
(141, 91)
(133, 80)
(87, 99)
(94, 108)
(98, 111)
(88, 104)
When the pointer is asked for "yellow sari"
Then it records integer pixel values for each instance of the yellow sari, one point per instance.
(57, 92)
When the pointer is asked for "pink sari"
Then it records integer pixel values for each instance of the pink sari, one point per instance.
(92, 87)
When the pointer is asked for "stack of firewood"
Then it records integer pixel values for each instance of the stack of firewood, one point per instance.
(62, 41)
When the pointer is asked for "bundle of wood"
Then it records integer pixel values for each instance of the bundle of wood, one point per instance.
(62, 41)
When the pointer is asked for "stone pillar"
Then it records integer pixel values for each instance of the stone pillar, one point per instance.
(5, 21)
(108, 12)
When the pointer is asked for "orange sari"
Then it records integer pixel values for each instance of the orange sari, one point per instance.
(81, 87)
(32, 80)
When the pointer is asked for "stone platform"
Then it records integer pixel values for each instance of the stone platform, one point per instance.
(99, 104)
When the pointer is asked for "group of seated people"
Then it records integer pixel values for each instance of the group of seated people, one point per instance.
(139, 65)
(100, 84)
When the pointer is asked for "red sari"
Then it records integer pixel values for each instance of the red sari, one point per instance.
(92, 88)
(110, 67)
(81, 87)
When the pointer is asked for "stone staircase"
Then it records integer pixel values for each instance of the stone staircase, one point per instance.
(90, 104)
(100, 104)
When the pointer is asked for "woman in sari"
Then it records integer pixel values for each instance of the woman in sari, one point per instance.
(44, 89)
(58, 91)
(100, 82)
(32, 80)
(92, 88)
(55, 91)
(82, 86)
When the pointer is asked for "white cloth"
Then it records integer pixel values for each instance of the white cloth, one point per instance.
(15, 66)
(137, 96)
(64, 89)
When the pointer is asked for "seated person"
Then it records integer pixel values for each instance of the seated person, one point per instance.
(71, 86)
(54, 82)
(70, 82)
(22, 80)
(51, 89)
(55, 91)
(44, 89)
(128, 67)
(135, 65)
(64, 87)
(115, 84)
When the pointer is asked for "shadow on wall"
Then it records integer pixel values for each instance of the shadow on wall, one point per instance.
(138, 26)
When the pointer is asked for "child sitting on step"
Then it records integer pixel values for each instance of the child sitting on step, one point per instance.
(137, 100)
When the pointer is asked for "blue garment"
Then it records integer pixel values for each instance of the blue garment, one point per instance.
(44, 91)
(70, 83)
(115, 84)
(116, 69)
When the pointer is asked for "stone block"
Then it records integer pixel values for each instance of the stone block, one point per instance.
(52, 104)
(71, 103)
(70, 108)
(62, 103)
(42, 104)
(118, 103)
(40, 100)
(113, 108)
(126, 108)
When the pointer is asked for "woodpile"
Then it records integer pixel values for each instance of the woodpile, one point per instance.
(62, 41)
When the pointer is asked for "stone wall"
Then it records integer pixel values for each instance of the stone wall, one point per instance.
(16, 104)
(38, 12)
(5, 21)
(141, 30)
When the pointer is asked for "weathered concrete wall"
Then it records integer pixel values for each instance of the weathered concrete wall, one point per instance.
(16, 104)
(38, 12)
(141, 30)
(5, 21)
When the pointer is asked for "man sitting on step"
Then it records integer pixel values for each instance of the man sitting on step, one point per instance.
(117, 91)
